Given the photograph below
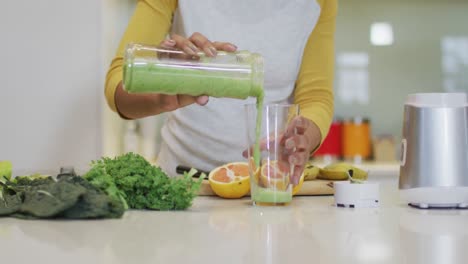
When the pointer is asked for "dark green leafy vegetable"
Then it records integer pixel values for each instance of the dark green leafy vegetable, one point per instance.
(10, 202)
(6, 169)
(94, 203)
(31, 197)
(99, 178)
(141, 184)
(32, 180)
(49, 200)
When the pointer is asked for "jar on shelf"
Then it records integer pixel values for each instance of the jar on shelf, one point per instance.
(356, 138)
(331, 148)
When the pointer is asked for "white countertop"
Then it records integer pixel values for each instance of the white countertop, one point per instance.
(310, 230)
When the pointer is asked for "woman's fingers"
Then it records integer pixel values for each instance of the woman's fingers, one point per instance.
(297, 160)
(173, 102)
(297, 142)
(302, 124)
(296, 176)
(168, 44)
(297, 126)
(198, 42)
(202, 100)
(226, 46)
(185, 100)
(203, 43)
(185, 44)
(169, 102)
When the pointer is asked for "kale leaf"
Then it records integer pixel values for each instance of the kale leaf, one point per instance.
(49, 200)
(72, 197)
(10, 201)
(6, 201)
(141, 184)
(6, 169)
(94, 203)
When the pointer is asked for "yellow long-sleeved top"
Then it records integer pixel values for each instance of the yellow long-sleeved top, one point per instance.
(153, 20)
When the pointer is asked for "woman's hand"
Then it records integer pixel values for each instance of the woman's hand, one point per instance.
(196, 43)
(134, 106)
(301, 137)
(141, 105)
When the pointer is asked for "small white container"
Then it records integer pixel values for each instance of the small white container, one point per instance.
(356, 195)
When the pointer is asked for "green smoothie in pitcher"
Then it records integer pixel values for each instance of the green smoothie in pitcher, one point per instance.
(157, 77)
(148, 69)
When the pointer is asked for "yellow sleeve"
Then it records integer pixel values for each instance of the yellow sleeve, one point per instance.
(314, 85)
(149, 24)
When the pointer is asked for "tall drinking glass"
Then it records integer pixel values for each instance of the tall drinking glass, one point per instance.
(270, 171)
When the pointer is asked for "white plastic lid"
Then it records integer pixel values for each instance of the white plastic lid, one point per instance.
(356, 194)
(437, 99)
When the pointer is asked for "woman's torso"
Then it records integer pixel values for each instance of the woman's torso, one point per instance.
(207, 136)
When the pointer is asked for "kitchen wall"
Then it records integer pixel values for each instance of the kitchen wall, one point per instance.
(115, 16)
(55, 56)
(51, 79)
(429, 54)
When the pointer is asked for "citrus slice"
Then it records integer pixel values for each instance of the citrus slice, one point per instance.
(275, 174)
(298, 187)
(231, 180)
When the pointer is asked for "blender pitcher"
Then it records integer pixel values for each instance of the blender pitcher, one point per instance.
(149, 69)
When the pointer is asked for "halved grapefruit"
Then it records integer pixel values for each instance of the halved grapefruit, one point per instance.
(231, 180)
(275, 174)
